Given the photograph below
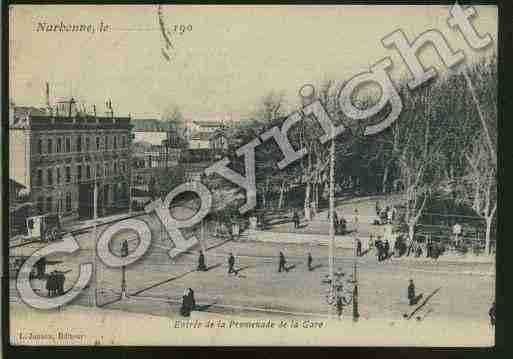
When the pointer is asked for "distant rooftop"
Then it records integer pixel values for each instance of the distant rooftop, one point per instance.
(151, 124)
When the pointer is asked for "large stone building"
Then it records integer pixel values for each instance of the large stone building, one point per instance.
(59, 154)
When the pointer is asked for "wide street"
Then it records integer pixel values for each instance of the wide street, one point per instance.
(156, 283)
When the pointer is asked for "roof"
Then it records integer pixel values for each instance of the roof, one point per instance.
(218, 133)
(151, 124)
(15, 184)
(23, 111)
(201, 136)
(203, 123)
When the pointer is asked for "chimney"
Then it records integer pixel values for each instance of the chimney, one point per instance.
(47, 95)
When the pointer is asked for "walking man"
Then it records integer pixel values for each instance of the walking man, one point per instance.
(387, 248)
(358, 247)
(310, 262)
(282, 263)
(41, 267)
(295, 218)
(340, 307)
(202, 267)
(411, 292)
(231, 263)
(50, 284)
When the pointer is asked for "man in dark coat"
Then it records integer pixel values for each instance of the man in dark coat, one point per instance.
(231, 263)
(411, 292)
(379, 248)
(187, 303)
(310, 261)
(60, 278)
(340, 307)
(50, 284)
(386, 249)
(358, 247)
(491, 313)
(124, 248)
(201, 262)
(41, 267)
(282, 263)
(295, 218)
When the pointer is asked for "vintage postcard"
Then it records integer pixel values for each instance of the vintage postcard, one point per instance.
(252, 175)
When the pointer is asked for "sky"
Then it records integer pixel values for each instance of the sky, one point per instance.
(233, 56)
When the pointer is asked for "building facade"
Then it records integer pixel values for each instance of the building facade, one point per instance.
(59, 159)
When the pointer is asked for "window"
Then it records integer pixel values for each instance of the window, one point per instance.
(49, 204)
(79, 172)
(39, 177)
(68, 174)
(68, 202)
(59, 145)
(88, 171)
(88, 144)
(115, 168)
(107, 142)
(97, 143)
(49, 172)
(40, 146)
(58, 175)
(68, 144)
(79, 144)
(50, 145)
(106, 170)
(115, 144)
(98, 172)
(123, 141)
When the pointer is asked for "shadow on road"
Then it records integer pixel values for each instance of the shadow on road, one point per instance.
(213, 266)
(315, 267)
(163, 282)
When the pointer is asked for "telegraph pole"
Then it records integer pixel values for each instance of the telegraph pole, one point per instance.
(332, 214)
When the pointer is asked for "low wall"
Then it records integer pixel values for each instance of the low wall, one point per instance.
(341, 241)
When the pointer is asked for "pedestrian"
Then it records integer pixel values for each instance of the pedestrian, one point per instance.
(41, 267)
(295, 218)
(379, 248)
(378, 208)
(342, 223)
(282, 263)
(201, 262)
(390, 215)
(59, 283)
(340, 307)
(358, 247)
(185, 309)
(231, 263)
(356, 218)
(411, 292)
(491, 313)
(310, 261)
(124, 248)
(192, 300)
(50, 284)
(386, 248)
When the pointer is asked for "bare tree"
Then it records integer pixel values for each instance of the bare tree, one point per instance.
(481, 189)
(419, 161)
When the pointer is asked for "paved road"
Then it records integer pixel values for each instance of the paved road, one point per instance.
(157, 283)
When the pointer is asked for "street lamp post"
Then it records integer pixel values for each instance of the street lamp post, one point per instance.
(124, 253)
(356, 314)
